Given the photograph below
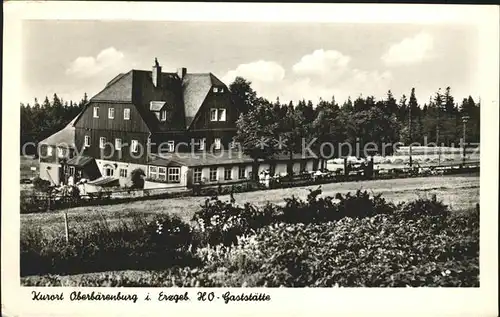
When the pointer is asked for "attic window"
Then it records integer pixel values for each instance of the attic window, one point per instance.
(216, 89)
(221, 90)
(163, 115)
(213, 114)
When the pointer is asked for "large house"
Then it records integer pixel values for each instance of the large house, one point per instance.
(177, 127)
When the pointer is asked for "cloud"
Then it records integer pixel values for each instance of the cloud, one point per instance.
(410, 50)
(108, 59)
(259, 71)
(321, 62)
(320, 74)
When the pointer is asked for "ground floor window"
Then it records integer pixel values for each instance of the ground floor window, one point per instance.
(197, 175)
(108, 170)
(123, 172)
(158, 172)
(227, 173)
(241, 172)
(213, 174)
(174, 175)
(72, 170)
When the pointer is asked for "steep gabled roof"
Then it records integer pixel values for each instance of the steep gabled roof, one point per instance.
(182, 100)
(64, 137)
(195, 88)
(118, 89)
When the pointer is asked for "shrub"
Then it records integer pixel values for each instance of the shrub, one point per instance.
(137, 178)
(41, 184)
(160, 243)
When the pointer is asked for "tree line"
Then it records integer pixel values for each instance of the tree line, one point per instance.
(285, 126)
(39, 121)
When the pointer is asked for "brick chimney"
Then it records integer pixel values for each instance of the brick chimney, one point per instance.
(156, 74)
(181, 72)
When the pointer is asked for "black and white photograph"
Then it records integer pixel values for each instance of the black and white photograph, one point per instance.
(249, 154)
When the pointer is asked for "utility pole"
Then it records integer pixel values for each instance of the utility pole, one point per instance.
(409, 128)
(464, 121)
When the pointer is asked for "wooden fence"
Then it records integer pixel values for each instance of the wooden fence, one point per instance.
(41, 202)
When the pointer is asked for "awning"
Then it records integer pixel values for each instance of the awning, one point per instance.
(104, 181)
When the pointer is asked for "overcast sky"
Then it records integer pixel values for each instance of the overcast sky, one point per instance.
(289, 60)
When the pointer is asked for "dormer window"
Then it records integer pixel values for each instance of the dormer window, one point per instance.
(163, 115)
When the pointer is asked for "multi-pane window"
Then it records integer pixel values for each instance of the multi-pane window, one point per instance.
(241, 172)
(222, 114)
(163, 115)
(111, 113)
(102, 142)
(227, 173)
(213, 174)
(118, 144)
(134, 146)
(174, 175)
(96, 112)
(72, 170)
(87, 141)
(170, 146)
(123, 172)
(126, 114)
(201, 144)
(197, 175)
(213, 114)
(158, 172)
(60, 152)
(217, 143)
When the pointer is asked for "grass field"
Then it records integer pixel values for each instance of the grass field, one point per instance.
(459, 192)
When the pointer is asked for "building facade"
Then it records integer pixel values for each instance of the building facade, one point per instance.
(177, 127)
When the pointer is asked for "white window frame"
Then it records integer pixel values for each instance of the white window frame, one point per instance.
(216, 170)
(60, 152)
(118, 144)
(221, 114)
(197, 174)
(213, 114)
(126, 114)
(221, 90)
(215, 89)
(228, 173)
(50, 150)
(162, 173)
(102, 142)
(174, 174)
(134, 146)
(106, 168)
(96, 112)
(72, 170)
(217, 143)
(153, 172)
(242, 171)
(86, 141)
(163, 115)
(111, 113)
(123, 172)
(171, 146)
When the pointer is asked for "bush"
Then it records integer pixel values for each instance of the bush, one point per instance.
(41, 184)
(160, 243)
(137, 178)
